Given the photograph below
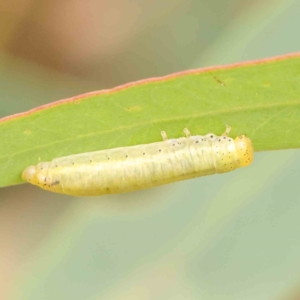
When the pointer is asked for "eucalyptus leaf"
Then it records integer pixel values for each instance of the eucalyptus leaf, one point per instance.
(258, 98)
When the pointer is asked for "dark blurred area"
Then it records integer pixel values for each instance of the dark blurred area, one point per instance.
(113, 42)
(234, 237)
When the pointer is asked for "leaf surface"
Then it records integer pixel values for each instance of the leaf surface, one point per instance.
(260, 98)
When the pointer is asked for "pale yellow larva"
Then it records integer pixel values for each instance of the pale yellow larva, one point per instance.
(138, 167)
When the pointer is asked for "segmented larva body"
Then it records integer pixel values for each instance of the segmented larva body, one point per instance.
(138, 167)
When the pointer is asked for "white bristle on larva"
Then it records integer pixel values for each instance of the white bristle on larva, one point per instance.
(126, 169)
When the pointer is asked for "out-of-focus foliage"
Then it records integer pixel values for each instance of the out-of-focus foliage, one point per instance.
(233, 236)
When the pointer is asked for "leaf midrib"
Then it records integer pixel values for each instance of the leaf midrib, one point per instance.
(179, 118)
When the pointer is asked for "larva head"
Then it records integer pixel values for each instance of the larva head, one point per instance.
(29, 174)
(244, 150)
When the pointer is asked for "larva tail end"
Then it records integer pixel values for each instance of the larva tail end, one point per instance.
(29, 174)
(244, 150)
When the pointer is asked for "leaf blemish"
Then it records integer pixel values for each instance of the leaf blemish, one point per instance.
(219, 81)
(134, 108)
(27, 132)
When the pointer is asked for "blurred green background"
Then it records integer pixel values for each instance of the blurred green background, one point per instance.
(234, 236)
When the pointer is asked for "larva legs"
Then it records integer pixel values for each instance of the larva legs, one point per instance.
(228, 128)
(164, 135)
(187, 132)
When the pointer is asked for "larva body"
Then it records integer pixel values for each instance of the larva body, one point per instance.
(133, 168)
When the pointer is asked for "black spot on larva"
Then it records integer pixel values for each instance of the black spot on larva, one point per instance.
(45, 179)
(108, 158)
(56, 166)
(173, 144)
(224, 137)
(159, 150)
(73, 163)
(230, 140)
(45, 184)
(55, 182)
(219, 140)
(144, 153)
(90, 160)
(126, 156)
(196, 142)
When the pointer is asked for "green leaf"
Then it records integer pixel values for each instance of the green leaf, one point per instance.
(261, 99)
